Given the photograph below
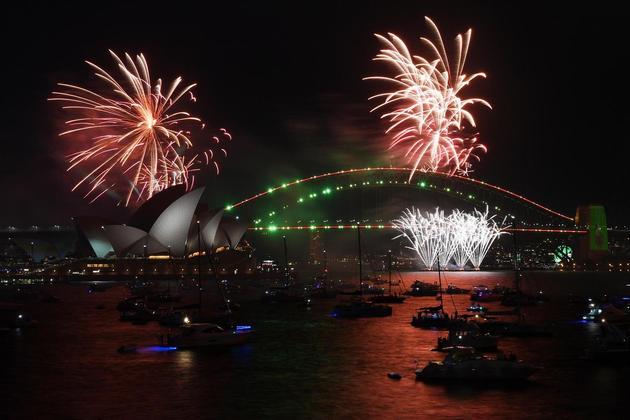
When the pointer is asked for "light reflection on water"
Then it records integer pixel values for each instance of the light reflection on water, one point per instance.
(299, 363)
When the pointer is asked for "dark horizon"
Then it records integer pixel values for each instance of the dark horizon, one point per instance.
(286, 80)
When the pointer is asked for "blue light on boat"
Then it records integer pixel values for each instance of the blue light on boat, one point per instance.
(157, 348)
(243, 327)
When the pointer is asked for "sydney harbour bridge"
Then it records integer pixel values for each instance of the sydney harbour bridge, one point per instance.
(334, 203)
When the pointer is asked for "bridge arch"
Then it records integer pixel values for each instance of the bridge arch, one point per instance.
(283, 204)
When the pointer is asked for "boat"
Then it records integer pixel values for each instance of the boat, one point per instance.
(139, 316)
(517, 298)
(322, 293)
(23, 320)
(612, 343)
(390, 297)
(360, 308)
(451, 289)
(467, 337)
(130, 304)
(163, 297)
(12, 316)
(420, 288)
(512, 329)
(464, 364)
(433, 317)
(281, 295)
(140, 287)
(208, 335)
(477, 308)
(482, 293)
(518, 328)
(394, 375)
(173, 319)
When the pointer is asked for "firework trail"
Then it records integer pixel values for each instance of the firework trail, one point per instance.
(135, 131)
(428, 118)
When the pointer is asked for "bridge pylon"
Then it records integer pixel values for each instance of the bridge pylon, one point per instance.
(594, 245)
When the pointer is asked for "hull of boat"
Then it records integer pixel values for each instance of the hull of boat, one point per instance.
(212, 341)
(426, 323)
(476, 371)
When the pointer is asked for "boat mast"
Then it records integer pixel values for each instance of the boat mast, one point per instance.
(517, 282)
(389, 265)
(360, 260)
(170, 260)
(440, 284)
(199, 261)
(286, 260)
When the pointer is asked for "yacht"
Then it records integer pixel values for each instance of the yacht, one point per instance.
(208, 335)
(612, 343)
(482, 293)
(433, 317)
(360, 308)
(463, 364)
(477, 307)
(469, 337)
(420, 288)
(280, 295)
(451, 289)
(512, 329)
(390, 297)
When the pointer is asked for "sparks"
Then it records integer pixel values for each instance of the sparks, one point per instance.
(460, 237)
(427, 116)
(135, 131)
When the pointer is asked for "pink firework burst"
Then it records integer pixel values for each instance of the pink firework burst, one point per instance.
(429, 120)
(137, 131)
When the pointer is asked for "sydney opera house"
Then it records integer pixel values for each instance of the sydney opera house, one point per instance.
(174, 233)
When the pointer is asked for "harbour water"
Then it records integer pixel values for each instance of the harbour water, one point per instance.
(302, 363)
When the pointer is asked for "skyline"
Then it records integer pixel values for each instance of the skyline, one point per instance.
(302, 78)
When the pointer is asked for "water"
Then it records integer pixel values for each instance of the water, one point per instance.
(302, 363)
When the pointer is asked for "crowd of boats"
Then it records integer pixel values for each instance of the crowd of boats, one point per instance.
(471, 335)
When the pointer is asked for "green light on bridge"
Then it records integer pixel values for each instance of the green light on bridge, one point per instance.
(423, 184)
(272, 228)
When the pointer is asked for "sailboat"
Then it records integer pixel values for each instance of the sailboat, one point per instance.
(388, 298)
(509, 328)
(361, 308)
(206, 334)
(433, 317)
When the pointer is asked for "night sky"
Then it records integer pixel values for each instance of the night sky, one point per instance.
(286, 80)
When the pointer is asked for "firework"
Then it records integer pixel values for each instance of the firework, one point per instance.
(437, 238)
(428, 118)
(135, 130)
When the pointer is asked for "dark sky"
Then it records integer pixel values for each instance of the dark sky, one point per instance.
(285, 78)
